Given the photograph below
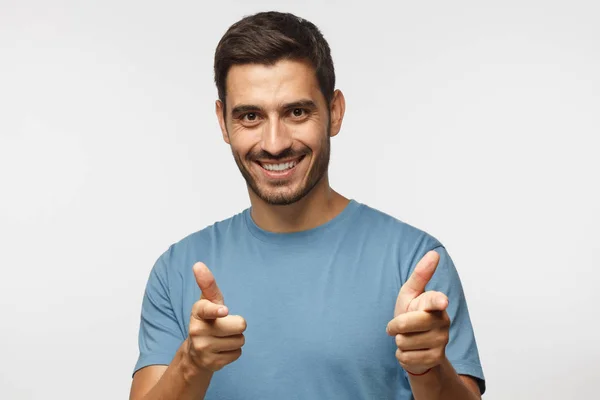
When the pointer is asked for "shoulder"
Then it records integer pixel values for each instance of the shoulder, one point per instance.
(406, 243)
(408, 237)
(197, 244)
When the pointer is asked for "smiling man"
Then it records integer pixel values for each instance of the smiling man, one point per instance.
(327, 297)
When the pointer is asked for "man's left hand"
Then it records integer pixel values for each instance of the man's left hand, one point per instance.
(421, 324)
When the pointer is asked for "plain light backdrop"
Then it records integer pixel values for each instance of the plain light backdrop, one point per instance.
(475, 121)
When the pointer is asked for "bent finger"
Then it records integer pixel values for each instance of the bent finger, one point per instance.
(205, 309)
(417, 321)
(228, 343)
(229, 326)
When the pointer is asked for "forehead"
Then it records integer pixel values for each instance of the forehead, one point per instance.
(270, 85)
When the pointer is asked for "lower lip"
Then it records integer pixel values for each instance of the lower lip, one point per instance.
(280, 174)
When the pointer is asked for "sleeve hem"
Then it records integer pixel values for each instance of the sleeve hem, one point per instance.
(146, 360)
(471, 369)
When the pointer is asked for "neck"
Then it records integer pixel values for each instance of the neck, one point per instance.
(319, 206)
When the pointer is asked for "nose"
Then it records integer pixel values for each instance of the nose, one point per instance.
(276, 137)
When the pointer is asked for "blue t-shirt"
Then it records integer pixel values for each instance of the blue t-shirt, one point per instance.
(316, 303)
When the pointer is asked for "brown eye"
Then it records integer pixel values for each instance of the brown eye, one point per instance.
(250, 117)
(298, 112)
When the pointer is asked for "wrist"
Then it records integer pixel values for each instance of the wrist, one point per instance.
(419, 373)
(189, 369)
(427, 374)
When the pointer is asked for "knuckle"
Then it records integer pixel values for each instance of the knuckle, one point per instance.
(399, 355)
(445, 337)
(197, 328)
(428, 358)
(198, 309)
(194, 329)
(402, 356)
(433, 357)
(439, 342)
(223, 360)
(194, 310)
(219, 363)
(205, 307)
(439, 353)
(201, 345)
(446, 320)
(212, 363)
(238, 354)
(400, 341)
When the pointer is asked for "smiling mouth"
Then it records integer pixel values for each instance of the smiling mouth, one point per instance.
(280, 167)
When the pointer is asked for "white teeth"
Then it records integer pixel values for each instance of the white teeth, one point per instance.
(279, 167)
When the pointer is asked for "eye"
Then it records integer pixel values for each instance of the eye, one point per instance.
(250, 117)
(298, 112)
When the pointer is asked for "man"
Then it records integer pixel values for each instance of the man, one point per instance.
(328, 298)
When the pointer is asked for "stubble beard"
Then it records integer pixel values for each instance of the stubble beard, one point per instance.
(314, 176)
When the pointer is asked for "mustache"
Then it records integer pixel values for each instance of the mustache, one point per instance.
(287, 153)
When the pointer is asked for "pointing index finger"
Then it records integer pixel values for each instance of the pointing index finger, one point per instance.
(207, 283)
(418, 280)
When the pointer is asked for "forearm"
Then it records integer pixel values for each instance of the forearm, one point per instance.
(182, 380)
(441, 383)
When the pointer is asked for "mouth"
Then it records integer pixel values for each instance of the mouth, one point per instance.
(280, 169)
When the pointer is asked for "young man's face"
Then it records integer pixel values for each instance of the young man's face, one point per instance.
(278, 125)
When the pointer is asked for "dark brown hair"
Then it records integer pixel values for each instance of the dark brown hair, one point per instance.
(268, 37)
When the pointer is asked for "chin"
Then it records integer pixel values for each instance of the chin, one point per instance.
(280, 198)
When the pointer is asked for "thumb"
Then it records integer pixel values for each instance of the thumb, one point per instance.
(207, 283)
(415, 285)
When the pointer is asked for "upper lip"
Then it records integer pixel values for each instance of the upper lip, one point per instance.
(280, 161)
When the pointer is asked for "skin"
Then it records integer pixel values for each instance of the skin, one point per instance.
(421, 327)
(273, 114)
(272, 130)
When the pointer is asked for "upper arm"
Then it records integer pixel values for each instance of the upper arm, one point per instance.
(160, 331)
(472, 384)
(144, 380)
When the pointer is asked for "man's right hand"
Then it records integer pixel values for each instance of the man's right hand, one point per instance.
(215, 338)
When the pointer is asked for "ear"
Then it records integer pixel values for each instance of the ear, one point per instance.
(337, 110)
(220, 111)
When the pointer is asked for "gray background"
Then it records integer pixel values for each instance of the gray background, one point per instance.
(475, 121)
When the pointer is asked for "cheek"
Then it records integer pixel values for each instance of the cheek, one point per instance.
(243, 145)
(319, 145)
(239, 152)
(314, 137)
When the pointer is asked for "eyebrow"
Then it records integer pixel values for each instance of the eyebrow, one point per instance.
(244, 108)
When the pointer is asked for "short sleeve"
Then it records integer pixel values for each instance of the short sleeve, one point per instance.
(461, 350)
(159, 335)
